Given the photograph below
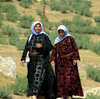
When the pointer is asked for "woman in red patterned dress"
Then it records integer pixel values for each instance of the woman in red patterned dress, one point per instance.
(64, 57)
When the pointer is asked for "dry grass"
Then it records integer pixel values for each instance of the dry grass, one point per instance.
(11, 51)
(88, 57)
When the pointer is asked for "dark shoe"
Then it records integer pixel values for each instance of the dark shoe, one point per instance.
(28, 95)
(50, 98)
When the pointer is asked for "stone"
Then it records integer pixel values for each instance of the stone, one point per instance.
(39, 0)
(8, 67)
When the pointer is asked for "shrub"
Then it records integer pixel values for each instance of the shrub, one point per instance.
(93, 73)
(12, 16)
(25, 24)
(64, 8)
(47, 32)
(52, 5)
(1, 16)
(20, 44)
(9, 7)
(88, 2)
(57, 24)
(53, 36)
(66, 22)
(71, 9)
(1, 23)
(81, 22)
(9, 30)
(27, 18)
(87, 22)
(13, 39)
(5, 0)
(55, 5)
(25, 3)
(2, 0)
(70, 2)
(98, 24)
(88, 13)
(35, 0)
(20, 86)
(45, 2)
(93, 95)
(46, 19)
(97, 18)
(39, 11)
(88, 29)
(73, 28)
(81, 7)
(5, 91)
(95, 47)
(1, 7)
(3, 40)
(82, 41)
(49, 25)
(97, 30)
(76, 19)
(52, 0)
(27, 33)
(78, 29)
(8, 0)
(63, 2)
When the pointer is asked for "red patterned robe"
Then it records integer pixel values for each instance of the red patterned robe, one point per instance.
(67, 75)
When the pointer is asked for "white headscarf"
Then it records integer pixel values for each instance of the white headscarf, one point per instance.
(35, 33)
(58, 39)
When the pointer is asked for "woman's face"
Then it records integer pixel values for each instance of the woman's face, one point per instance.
(61, 33)
(37, 28)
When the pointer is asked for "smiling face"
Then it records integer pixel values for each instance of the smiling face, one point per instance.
(37, 28)
(61, 33)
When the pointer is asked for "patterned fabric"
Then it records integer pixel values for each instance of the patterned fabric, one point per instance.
(41, 78)
(68, 81)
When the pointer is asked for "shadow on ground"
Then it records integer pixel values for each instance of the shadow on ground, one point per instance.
(77, 98)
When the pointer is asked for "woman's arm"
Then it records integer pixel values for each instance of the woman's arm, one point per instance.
(53, 54)
(24, 52)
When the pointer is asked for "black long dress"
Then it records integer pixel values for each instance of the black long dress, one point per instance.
(41, 78)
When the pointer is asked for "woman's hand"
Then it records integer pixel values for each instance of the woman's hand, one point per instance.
(38, 45)
(53, 64)
(22, 62)
(74, 62)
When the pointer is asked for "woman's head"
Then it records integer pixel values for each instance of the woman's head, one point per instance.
(37, 27)
(62, 31)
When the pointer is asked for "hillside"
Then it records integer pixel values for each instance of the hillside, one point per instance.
(87, 57)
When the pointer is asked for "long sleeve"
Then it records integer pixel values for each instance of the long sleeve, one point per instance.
(75, 56)
(24, 52)
(53, 54)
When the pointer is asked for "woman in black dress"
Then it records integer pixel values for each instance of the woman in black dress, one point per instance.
(41, 78)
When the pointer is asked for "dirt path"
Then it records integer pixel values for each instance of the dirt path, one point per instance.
(23, 96)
